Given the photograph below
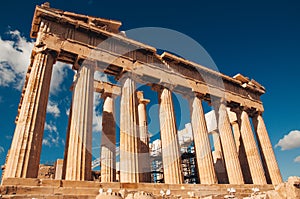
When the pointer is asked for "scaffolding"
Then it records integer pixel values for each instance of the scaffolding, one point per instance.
(188, 162)
(157, 173)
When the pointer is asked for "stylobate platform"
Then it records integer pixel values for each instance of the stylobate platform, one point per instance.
(41, 188)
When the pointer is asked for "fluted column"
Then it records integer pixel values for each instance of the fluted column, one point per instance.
(79, 157)
(218, 159)
(202, 145)
(129, 134)
(267, 153)
(237, 134)
(24, 158)
(144, 156)
(254, 161)
(239, 146)
(232, 163)
(108, 145)
(169, 138)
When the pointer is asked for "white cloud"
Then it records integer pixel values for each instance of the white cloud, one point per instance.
(117, 151)
(290, 141)
(100, 76)
(7, 75)
(1, 150)
(97, 117)
(59, 73)
(14, 59)
(297, 159)
(52, 108)
(9, 137)
(52, 137)
(46, 142)
(68, 112)
(50, 127)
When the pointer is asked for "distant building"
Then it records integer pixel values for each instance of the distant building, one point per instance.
(156, 161)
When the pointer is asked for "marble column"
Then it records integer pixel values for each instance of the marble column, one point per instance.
(204, 158)
(218, 159)
(240, 146)
(267, 153)
(24, 158)
(79, 146)
(236, 134)
(144, 156)
(129, 133)
(169, 138)
(232, 163)
(108, 145)
(253, 158)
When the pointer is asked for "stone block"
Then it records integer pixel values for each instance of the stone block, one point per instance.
(50, 182)
(71, 183)
(21, 181)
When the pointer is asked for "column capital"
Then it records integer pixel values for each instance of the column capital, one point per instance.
(108, 88)
(141, 99)
(190, 96)
(239, 109)
(160, 87)
(218, 101)
(105, 94)
(157, 87)
(257, 112)
(36, 50)
(87, 63)
(126, 75)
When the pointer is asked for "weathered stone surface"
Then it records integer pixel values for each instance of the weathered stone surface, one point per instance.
(169, 138)
(252, 155)
(108, 140)
(267, 153)
(234, 120)
(129, 133)
(144, 156)
(80, 189)
(59, 169)
(24, 156)
(219, 163)
(205, 164)
(287, 190)
(79, 138)
(232, 163)
(112, 195)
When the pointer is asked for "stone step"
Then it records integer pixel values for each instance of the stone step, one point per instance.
(14, 188)
(42, 196)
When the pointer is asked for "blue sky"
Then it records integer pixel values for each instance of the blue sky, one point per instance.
(257, 39)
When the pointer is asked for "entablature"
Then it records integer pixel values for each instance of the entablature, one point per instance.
(115, 54)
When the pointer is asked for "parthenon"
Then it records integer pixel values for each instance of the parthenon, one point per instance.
(92, 44)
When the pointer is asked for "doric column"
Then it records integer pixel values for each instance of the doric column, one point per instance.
(267, 153)
(108, 145)
(240, 146)
(202, 145)
(24, 157)
(129, 133)
(232, 163)
(237, 134)
(254, 161)
(169, 138)
(218, 159)
(79, 147)
(144, 156)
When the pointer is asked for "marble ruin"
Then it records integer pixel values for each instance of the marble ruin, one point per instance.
(94, 44)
